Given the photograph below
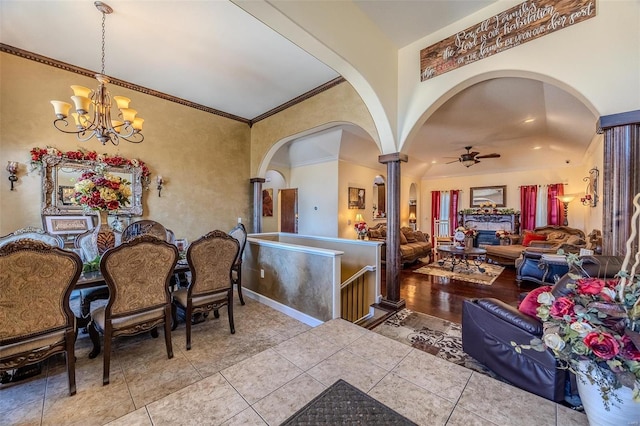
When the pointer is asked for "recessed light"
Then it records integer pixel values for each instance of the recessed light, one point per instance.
(537, 147)
(529, 120)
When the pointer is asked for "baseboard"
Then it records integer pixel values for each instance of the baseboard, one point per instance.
(300, 316)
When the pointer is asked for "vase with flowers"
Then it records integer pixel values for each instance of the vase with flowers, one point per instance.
(503, 236)
(593, 330)
(361, 229)
(98, 190)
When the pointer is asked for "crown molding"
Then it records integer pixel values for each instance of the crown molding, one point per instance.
(117, 82)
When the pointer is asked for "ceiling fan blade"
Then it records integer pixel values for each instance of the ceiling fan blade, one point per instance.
(494, 155)
(454, 161)
(473, 154)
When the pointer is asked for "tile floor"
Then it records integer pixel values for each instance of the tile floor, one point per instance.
(269, 369)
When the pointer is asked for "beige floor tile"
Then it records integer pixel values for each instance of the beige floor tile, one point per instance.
(306, 350)
(246, 417)
(285, 401)
(381, 351)
(156, 379)
(140, 417)
(15, 394)
(569, 417)
(502, 403)
(208, 402)
(413, 402)
(436, 375)
(339, 331)
(258, 376)
(353, 369)
(462, 417)
(27, 413)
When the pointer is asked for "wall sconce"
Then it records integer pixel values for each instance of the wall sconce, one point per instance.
(359, 218)
(412, 218)
(566, 199)
(591, 192)
(160, 182)
(12, 168)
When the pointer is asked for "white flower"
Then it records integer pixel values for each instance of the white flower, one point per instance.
(135, 162)
(582, 328)
(609, 292)
(52, 151)
(554, 341)
(546, 298)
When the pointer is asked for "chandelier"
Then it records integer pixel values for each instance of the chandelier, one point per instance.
(93, 108)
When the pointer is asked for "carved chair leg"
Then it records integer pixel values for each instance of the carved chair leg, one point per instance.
(174, 316)
(95, 339)
(230, 311)
(107, 355)
(239, 285)
(187, 315)
(71, 361)
(167, 332)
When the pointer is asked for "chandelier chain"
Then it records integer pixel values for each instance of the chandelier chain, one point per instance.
(104, 17)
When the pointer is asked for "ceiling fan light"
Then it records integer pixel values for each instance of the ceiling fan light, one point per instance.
(468, 163)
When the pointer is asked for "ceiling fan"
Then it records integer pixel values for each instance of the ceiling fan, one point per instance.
(470, 158)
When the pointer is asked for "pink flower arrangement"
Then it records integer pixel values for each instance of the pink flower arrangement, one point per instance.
(115, 161)
(361, 228)
(98, 190)
(598, 321)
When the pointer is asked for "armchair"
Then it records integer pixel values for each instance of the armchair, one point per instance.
(239, 233)
(489, 326)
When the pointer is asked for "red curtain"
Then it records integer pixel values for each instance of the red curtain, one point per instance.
(555, 213)
(435, 209)
(528, 201)
(453, 208)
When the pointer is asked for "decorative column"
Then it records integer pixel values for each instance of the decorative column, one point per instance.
(621, 178)
(394, 265)
(257, 204)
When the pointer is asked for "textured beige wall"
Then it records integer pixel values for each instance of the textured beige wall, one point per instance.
(203, 157)
(339, 104)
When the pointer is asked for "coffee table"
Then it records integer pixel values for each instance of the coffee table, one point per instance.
(469, 257)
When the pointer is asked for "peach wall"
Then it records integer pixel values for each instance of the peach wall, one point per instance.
(203, 157)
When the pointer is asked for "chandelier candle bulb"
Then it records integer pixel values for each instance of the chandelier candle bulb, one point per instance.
(122, 101)
(128, 114)
(82, 104)
(81, 91)
(137, 124)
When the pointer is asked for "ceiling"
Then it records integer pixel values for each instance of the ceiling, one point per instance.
(215, 54)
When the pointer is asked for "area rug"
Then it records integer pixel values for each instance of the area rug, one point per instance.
(433, 335)
(344, 404)
(484, 273)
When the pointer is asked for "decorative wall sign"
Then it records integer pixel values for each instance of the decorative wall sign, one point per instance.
(515, 26)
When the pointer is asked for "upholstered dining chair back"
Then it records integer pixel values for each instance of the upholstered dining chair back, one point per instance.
(145, 227)
(36, 280)
(138, 274)
(34, 234)
(210, 258)
(239, 232)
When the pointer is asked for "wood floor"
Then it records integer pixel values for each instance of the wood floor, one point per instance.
(443, 298)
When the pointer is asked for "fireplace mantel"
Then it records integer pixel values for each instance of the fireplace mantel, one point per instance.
(491, 221)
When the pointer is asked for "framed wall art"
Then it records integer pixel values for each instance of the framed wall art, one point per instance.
(488, 194)
(65, 225)
(356, 198)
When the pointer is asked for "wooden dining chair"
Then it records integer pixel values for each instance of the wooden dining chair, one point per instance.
(146, 227)
(36, 322)
(239, 232)
(137, 273)
(34, 234)
(211, 259)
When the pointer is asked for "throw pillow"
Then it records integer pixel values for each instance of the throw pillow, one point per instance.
(532, 237)
(574, 240)
(403, 239)
(421, 237)
(529, 304)
(556, 235)
(374, 234)
(409, 235)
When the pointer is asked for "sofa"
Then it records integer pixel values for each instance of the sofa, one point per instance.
(490, 325)
(545, 239)
(413, 244)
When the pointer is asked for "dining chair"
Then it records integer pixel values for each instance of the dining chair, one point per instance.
(35, 234)
(36, 320)
(145, 227)
(239, 232)
(211, 258)
(137, 273)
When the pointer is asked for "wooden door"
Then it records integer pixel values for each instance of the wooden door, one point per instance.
(289, 210)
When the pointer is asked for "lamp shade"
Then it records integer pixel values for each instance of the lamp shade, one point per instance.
(359, 218)
(566, 198)
(412, 216)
